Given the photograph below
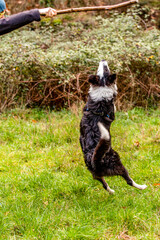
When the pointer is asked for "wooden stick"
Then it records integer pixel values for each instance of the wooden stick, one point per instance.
(97, 8)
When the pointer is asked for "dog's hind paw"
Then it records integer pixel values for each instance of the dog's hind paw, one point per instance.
(143, 187)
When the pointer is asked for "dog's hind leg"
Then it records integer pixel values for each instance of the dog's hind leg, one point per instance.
(105, 185)
(130, 181)
(102, 147)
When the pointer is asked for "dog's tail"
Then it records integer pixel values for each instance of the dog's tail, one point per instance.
(102, 147)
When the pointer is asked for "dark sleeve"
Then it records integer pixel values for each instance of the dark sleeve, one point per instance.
(18, 20)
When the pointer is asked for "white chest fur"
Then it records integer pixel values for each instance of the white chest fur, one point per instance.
(102, 93)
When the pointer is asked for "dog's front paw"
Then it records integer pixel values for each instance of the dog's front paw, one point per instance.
(111, 191)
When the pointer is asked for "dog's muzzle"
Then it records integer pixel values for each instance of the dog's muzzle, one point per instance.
(103, 72)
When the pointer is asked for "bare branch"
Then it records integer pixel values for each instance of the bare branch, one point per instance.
(97, 8)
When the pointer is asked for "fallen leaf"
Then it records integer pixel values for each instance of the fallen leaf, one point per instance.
(156, 184)
(6, 213)
(136, 144)
(34, 121)
(125, 236)
(45, 203)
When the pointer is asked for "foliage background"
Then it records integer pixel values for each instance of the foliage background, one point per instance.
(20, 5)
(47, 64)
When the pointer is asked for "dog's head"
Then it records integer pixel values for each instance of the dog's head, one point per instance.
(103, 77)
(103, 84)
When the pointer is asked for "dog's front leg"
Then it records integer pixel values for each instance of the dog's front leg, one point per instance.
(105, 185)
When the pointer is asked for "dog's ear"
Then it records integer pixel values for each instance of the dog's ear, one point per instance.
(93, 79)
(112, 78)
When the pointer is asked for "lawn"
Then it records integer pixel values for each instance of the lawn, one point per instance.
(46, 192)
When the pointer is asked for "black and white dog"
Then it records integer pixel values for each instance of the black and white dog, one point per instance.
(95, 138)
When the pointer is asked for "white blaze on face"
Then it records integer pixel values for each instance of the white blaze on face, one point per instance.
(100, 71)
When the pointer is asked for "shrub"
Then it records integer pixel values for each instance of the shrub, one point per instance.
(49, 66)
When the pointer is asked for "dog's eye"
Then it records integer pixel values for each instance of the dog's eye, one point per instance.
(94, 79)
(112, 78)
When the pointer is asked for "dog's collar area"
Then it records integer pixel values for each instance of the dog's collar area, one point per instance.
(100, 113)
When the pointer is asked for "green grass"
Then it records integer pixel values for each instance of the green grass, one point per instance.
(46, 192)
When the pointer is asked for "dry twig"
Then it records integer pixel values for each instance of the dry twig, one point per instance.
(97, 8)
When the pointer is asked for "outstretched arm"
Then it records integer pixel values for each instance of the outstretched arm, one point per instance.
(18, 20)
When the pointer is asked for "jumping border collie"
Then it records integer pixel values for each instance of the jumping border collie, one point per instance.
(95, 138)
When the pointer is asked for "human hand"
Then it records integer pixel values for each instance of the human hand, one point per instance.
(48, 12)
